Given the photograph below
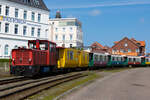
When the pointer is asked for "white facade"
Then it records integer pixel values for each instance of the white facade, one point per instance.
(66, 32)
(20, 23)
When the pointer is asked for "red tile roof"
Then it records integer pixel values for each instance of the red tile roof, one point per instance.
(98, 44)
(142, 43)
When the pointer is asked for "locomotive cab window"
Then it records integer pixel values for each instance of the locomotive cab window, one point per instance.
(43, 47)
(32, 45)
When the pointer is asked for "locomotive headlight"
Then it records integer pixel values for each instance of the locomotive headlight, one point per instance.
(30, 60)
(13, 60)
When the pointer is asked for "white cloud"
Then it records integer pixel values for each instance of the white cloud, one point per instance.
(95, 12)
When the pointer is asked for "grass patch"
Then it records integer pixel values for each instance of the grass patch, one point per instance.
(114, 70)
(58, 90)
(4, 60)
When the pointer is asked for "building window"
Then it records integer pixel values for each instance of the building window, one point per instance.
(63, 37)
(15, 47)
(39, 17)
(56, 37)
(137, 50)
(33, 16)
(25, 15)
(70, 36)
(6, 49)
(6, 28)
(39, 32)
(70, 28)
(129, 50)
(64, 29)
(56, 29)
(0, 26)
(16, 29)
(0, 9)
(7, 11)
(32, 31)
(121, 50)
(24, 30)
(16, 13)
(70, 45)
(125, 44)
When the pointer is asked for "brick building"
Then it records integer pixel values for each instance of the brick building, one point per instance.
(128, 46)
(97, 47)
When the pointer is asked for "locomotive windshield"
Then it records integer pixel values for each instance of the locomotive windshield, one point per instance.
(42, 46)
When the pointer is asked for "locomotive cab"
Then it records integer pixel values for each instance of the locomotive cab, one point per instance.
(38, 58)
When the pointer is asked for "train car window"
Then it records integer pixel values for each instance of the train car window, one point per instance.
(117, 58)
(71, 55)
(87, 57)
(113, 59)
(121, 58)
(99, 59)
(50, 47)
(83, 56)
(90, 56)
(129, 59)
(68, 55)
(134, 59)
(105, 58)
(94, 57)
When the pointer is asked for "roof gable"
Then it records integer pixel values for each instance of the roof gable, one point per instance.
(33, 3)
(96, 44)
(125, 39)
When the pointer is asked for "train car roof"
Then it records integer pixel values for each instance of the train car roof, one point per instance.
(100, 53)
(60, 47)
(134, 56)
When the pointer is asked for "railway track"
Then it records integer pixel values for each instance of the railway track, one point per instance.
(28, 88)
(12, 80)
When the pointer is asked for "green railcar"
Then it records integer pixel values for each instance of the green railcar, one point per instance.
(117, 60)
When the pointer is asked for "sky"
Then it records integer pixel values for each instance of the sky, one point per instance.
(106, 21)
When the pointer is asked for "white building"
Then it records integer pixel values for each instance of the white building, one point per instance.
(66, 32)
(20, 21)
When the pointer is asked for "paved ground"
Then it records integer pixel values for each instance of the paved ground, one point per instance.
(131, 84)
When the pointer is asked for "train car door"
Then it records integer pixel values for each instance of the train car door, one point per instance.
(52, 54)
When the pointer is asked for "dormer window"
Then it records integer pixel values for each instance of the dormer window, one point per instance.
(36, 2)
(125, 44)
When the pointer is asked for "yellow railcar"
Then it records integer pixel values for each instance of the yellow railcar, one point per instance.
(67, 58)
(72, 58)
(147, 61)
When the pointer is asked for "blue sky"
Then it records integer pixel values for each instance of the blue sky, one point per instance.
(106, 21)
